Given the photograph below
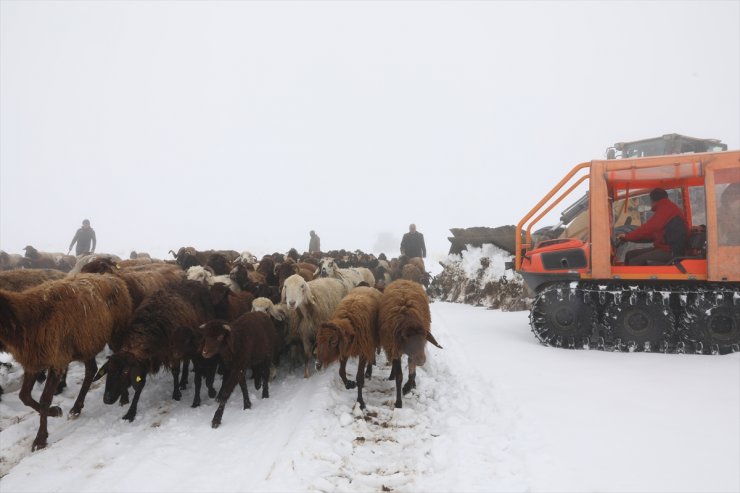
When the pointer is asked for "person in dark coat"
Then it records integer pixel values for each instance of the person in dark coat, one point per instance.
(667, 229)
(314, 245)
(84, 237)
(412, 243)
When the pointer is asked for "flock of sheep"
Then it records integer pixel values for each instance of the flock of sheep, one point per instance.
(224, 312)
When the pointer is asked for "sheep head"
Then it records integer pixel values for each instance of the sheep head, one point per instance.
(265, 305)
(240, 275)
(216, 338)
(411, 339)
(100, 265)
(219, 293)
(31, 252)
(200, 274)
(332, 340)
(121, 371)
(296, 292)
(219, 263)
(327, 268)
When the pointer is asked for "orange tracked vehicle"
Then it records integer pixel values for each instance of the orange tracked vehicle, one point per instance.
(585, 294)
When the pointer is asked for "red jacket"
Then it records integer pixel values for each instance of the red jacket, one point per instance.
(654, 228)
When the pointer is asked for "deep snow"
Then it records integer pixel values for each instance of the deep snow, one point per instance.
(493, 411)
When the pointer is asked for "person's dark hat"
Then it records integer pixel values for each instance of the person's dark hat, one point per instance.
(86, 222)
(658, 194)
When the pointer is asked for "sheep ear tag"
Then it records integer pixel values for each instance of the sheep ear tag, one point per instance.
(137, 379)
(101, 372)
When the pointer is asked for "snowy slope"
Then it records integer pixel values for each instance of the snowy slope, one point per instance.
(493, 411)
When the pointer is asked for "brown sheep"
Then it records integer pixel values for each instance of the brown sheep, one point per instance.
(287, 269)
(219, 263)
(404, 323)
(252, 281)
(45, 260)
(55, 323)
(9, 261)
(141, 280)
(351, 332)
(410, 272)
(229, 305)
(187, 257)
(134, 255)
(123, 264)
(22, 279)
(248, 342)
(266, 267)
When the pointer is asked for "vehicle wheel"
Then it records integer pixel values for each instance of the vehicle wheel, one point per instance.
(560, 317)
(640, 323)
(713, 322)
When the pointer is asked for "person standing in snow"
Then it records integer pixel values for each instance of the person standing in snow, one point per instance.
(412, 243)
(84, 236)
(315, 244)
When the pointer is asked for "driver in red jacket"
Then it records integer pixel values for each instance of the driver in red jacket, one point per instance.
(667, 229)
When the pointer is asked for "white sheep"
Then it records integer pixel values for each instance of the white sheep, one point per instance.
(207, 277)
(83, 260)
(313, 302)
(246, 257)
(351, 278)
(266, 305)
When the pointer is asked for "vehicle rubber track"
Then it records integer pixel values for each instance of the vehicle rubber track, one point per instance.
(634, 316)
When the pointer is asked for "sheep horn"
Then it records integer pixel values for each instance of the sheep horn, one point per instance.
(431, 339)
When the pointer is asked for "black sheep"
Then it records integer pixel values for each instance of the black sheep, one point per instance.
(248, 342)
(148, 342)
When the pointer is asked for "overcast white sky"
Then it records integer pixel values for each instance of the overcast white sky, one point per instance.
(243, 125)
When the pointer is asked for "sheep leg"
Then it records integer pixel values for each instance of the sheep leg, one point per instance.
(265, 372)
(245, 392)
(361, 381)
(392, 376)
(307, 353)
(91, 368)
(63, 382)
(52, 380)
(210, 375)
(197, 377)
(124, 396)
(369, 370)
(175, 369)
(232, 378)
(24, 395)
(398, 373)
(184, 377)
(131, 413)
(411, 382)
(348, 384)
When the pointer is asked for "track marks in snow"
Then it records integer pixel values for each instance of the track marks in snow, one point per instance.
(449, 436)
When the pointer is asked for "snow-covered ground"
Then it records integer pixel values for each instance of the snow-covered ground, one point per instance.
(493, 411)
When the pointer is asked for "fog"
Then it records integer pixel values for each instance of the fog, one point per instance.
(244, 125)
